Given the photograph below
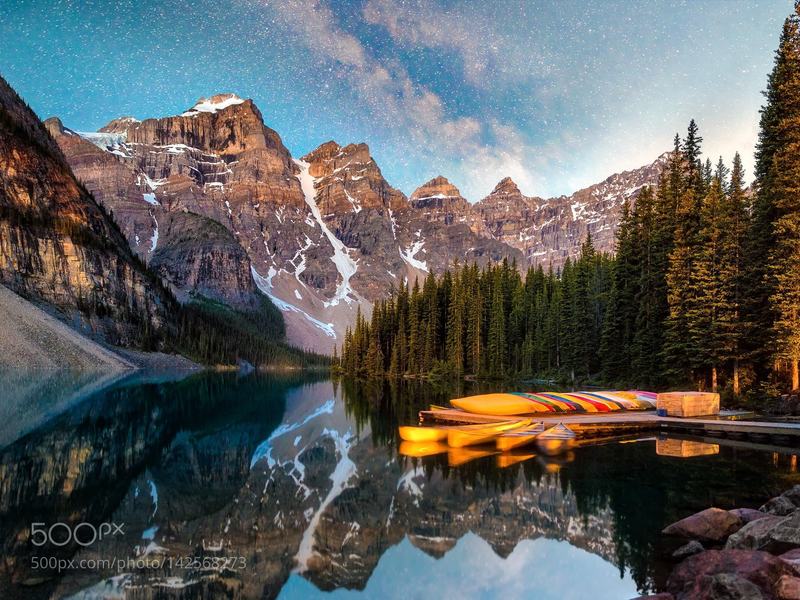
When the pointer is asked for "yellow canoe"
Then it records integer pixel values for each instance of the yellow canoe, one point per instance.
(471, 435)
(410, 433)
(459, 456)
(495, 404)
(556, 440)
(518, 437)
(523, 403)
(419, 449)
(506, 460)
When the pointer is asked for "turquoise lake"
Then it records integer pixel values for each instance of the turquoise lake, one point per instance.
(294, 487)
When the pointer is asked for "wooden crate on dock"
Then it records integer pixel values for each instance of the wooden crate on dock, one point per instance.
(684, 448)
(688, 404)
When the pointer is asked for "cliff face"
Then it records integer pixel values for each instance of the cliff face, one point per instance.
(56, 244)
(199, 257)
(548, 231)
(193, 254)
(449, 230)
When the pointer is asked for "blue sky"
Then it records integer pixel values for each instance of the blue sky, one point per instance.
(557, 95)
(544, 569)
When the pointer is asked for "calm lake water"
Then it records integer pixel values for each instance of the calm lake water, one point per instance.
(293, 487)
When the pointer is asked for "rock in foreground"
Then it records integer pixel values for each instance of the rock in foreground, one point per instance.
(709, 525)
(715, 574)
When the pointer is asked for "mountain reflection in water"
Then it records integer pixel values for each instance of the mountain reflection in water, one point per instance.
(299, 479)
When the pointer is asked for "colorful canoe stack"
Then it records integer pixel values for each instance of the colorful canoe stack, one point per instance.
(522, 403)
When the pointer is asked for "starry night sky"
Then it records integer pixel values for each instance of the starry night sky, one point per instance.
(558, 95)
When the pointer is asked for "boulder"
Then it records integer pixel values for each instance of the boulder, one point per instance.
(748, 514)
(793, 495)
(709, 525)
(729, 586)
(792, 557)
(780, 505)
(784, 536)
(788, 588)
(754, 535)
(716, 574)
(689, 549)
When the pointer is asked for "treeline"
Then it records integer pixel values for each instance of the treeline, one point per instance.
(488, 323)
(704, 288)
(216, 334)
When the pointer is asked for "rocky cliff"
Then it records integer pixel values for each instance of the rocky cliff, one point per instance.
(57, 245)
(548, 231)
(321, 235)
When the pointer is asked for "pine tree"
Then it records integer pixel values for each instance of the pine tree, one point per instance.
(496, 340)
(646, 360)
(475, 320)
(734, 223)
(705, 306)
(678, 342)
(455, 343)
(781, 185)
(619, 325)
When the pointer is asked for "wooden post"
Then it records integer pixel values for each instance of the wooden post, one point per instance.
(735, 376)
(795, 375)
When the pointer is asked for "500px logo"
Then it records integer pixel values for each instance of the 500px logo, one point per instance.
(83, 534)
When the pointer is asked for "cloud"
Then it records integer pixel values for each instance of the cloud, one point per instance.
(487, 55)
(415, 113)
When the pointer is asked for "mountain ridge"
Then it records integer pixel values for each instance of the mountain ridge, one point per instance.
(324, 234)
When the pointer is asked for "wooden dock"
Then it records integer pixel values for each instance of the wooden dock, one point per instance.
(729, 424)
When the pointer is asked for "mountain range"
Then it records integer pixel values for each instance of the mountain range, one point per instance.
(213, 202)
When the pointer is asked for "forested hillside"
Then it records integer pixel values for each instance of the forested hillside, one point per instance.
(698, 294)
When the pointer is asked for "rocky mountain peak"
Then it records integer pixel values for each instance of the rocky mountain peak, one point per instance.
(352, 168)
(438, 187)
(118, 125)
(54, 126)
(506, 186)
(55, 264)
(213, 104)
(325, 151)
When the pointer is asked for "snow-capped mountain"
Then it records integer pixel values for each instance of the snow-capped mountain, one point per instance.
(217, 205)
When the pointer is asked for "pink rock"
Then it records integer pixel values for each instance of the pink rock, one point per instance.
(788, 588)
(709, 525)
(704, 576)
(792, 557)
(748, 514)
(755, 534)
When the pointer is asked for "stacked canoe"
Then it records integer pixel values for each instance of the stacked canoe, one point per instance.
(510, 420)
(525, 403)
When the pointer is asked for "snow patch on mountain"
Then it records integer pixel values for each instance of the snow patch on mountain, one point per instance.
(265, 285)
(406, 482)
(104, 141)
(340, 478)
(212, 105)
(345, 265)
(264, 449)
(410, 253)
(356, 204)
(154, 238)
